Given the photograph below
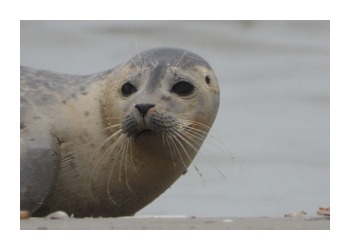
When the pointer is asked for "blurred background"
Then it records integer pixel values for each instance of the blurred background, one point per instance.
(269, 151)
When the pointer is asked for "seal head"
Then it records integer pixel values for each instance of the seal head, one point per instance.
(168, 88)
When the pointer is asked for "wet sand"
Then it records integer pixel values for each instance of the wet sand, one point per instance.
(180, 222)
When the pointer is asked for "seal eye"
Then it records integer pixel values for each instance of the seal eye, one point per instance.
(207, 80)
(128, 89)
(183, 88)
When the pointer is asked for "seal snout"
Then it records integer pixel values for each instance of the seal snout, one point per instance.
(138, 124)
(143, 108)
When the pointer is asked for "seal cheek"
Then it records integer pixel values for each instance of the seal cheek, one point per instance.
(165, 98)
(83, 137)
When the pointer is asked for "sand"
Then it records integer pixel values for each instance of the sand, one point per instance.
(179, 222)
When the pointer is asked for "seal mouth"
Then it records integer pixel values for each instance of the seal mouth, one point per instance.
(143, 132)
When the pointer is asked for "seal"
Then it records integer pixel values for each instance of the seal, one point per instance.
(110, 143)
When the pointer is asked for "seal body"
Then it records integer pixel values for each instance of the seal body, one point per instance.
(109, 144)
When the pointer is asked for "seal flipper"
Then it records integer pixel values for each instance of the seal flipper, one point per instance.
(40, 160)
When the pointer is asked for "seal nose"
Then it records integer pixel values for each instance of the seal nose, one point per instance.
(143, 108)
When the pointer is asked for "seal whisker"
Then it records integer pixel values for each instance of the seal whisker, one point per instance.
(122, 166)
(99, 134)
(213, 138)
(131, 156)
(200, 174)
(195, 134)
(122, 161)
(101, 146)
(116, 133)
(131, 59)
(126, 168)
(203, 131)
(100, 161)
(184, 137)
(177, 136)
(186, 127)
(139, 56)
(179, 60)
(173, 142)
(119, 152)
(170, 148)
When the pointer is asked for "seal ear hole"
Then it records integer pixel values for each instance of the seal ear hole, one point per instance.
(182, 88)
(207, 80)
(128, 89)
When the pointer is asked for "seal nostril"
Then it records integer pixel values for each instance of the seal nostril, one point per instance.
(143, 108)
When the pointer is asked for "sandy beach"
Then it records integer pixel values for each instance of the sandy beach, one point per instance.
(180, 222)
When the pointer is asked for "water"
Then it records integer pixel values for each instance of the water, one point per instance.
(274, 116)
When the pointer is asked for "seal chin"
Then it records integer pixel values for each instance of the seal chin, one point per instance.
(144, 132)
